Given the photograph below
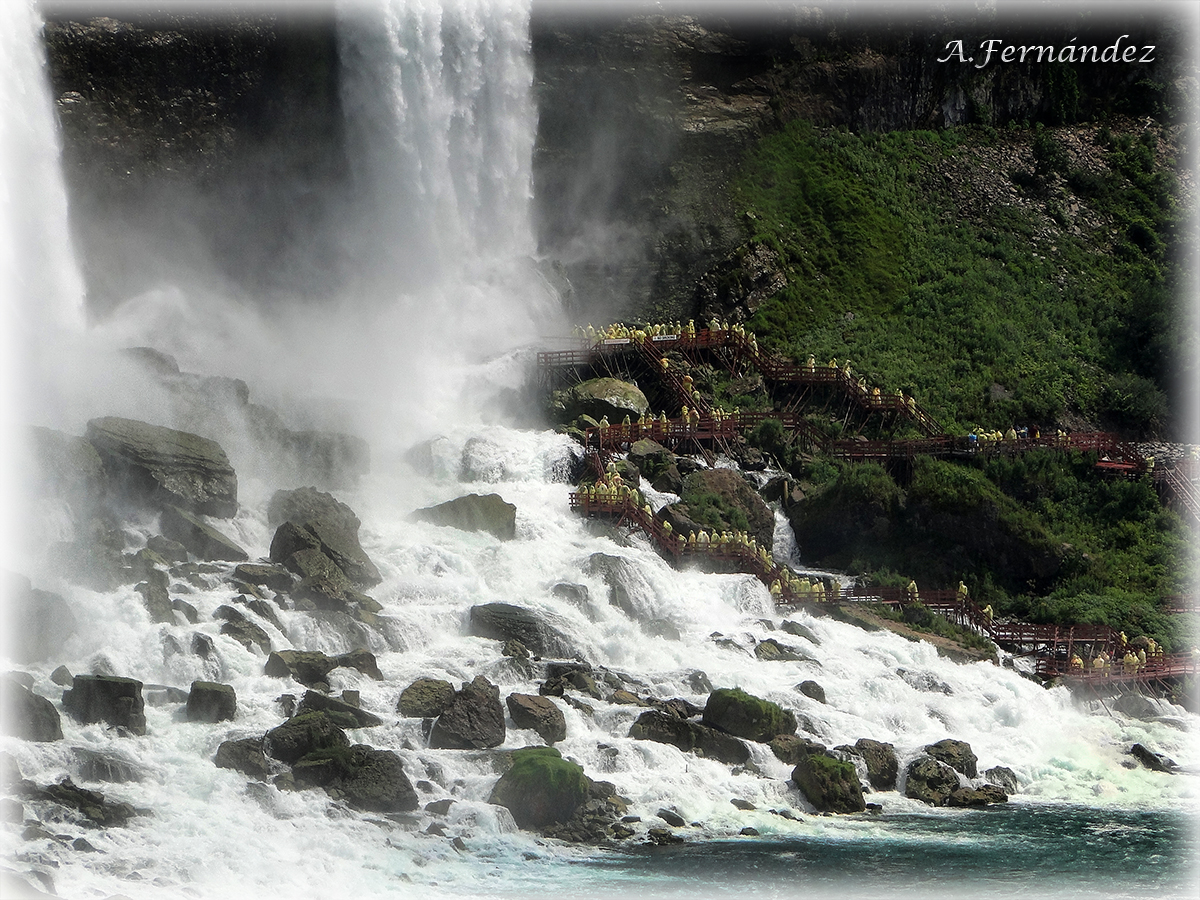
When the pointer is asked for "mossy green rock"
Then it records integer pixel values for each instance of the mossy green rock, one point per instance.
(426, 698)
(541, 788)
(600, 398)
(830, 785)
(303, 734)
(723, 499)
(734, 711)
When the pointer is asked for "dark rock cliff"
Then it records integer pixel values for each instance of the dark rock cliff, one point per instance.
(216, 145)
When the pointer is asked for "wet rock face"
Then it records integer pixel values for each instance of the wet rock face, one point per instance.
(504, 621)
(425, 698)
(164, 466)
(211, 702)
(42, 619)
(732, 493)
(366, 778)
(956, 754)
(930, 781)
(27, 715)
(667, 728)
(734, 711)
(474, 720)
(474, 512)
(538, 713)
(107, 698)
(312, 520)
(830, 784)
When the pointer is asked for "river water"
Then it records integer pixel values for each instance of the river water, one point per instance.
(1085, 821)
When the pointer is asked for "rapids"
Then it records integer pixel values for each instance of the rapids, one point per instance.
(440, 104)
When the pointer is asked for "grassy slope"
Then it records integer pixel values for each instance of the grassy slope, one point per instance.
(1044, 262)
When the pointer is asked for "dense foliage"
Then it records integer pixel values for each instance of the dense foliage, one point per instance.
(1054, 295)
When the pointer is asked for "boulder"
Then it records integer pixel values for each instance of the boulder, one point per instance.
(40, 622)
(795, 628)
(200, 539)
(301, 735)
(321, 581)
(734, 711)
(771, 650)
(1136, 706)
(930, 781)
(366, 778)
(209, 701)
(693, 737)
(107, 698)
(830, 784)
(728, 502)
(1156, 762)
(981, 796)
(310, 667)
(504, 621)
(425, 698)
(598, 398)
(474, 512)
(276, 577)
(169, 550)
(956, 754)
(538, 713)
(812, 690)
(241, 629)
(110, 765)
(622, 577)
(882, 765)
(789, 748)
(343, 714)
(244, 755)
(1003, 777)
(473, 720)
(541, 788)
(69, 467)
(156, 598)
(324, 523)
(90, 803)
(27, 715)
(164, 466)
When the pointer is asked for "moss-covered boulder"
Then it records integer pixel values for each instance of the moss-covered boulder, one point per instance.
(164, 466)
(303, 734)
(366, 778)
(599, 398)
(474, 512)
(724, 500)
(831, 785)
(425, 698)
(541, 788)
(657, 465)
(734, 711)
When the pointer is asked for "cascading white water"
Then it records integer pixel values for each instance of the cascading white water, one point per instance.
(446, 145)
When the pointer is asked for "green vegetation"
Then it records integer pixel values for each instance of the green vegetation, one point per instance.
(933, 624)
(1059, 292)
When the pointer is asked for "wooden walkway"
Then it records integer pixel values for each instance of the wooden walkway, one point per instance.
(1051, 646)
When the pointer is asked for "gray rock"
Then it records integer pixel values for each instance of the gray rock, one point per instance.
(276, 577)
(1003, 777)
(41, 622)
(981, 796)
(27, 715)
(155, 597)
(504, 621)
(474, 720)
(244, 755)
(882, 765)
(107, 698)
(665, 728)
(343, 714)
(303, 734)
(474, 512)
(813, 690)
(69, 467)
(199, 538)
(829, 784)
(211, 702)
(795, 628)
(310, 667)
(322, 522)
(789, 748)
(169, 550)
(771, 650)
(242, 630)
(97, 765)
(366, 778)
(930, 781)
(1156, 762)
(956, 754)
(164, 466)
(538, 713)
(425, 698)
(1136, 706)
(599, 398)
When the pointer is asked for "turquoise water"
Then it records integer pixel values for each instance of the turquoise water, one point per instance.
(1013, 851)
